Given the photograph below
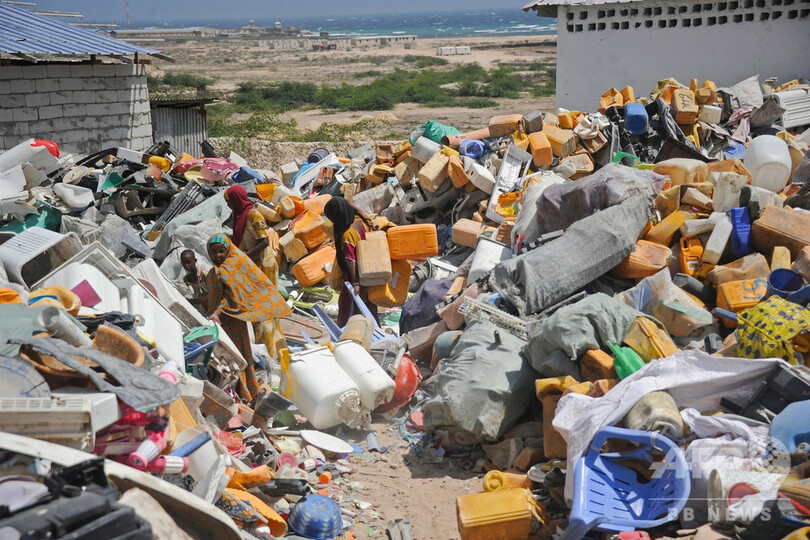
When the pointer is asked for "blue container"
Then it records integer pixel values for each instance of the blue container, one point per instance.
(635, 118)
(471, 148)
(784, 282)
(741, 232)
(316, 516)
(735, 150)
(791, 427)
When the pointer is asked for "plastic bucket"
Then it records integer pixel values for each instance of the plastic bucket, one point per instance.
(784, 282)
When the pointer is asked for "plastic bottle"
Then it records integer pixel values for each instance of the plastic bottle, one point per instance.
(741, 234)
(691, 255)
(714, 248)
(635, 118)
(694, 227)
(656, 411)
(780, 258)
(626, 361)
(683, 170)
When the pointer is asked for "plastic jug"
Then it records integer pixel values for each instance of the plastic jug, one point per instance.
(727, 188)
(321, 389)
(635, 118)
(663, 232)
(373, 259)
(498, 480)
(315, 266)
(645, 260)
(683, 171)
(395, 292)
(375, 386)
(780, 258)
(456, 172)
(694, 227)
(781, 227)
(739, 295)
(691, 255)
(488, 253)
(681, 319)
(424, 149)
(563, 141)
(658, 412)
(741, 231)
(626, 361)
(413, 241)
(649, 340)
(728, 165)
(716, 244)
(465, 232)
(359, 329)
(753, 266)
(308, 228)
(768, 160)
(596, 364)
(481, 178)
(434, 173)
(541, 149)
(497, 515)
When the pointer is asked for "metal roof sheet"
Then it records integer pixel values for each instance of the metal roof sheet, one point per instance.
(24, 32)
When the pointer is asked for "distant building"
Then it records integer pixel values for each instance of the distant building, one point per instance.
(164, 33)
(607, 43)
(377, 41)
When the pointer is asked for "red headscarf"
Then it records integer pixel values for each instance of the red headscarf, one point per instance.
(240, 204)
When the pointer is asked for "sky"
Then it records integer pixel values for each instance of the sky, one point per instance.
(170, 10)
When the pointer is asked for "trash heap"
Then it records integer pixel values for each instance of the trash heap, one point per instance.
(605, 314)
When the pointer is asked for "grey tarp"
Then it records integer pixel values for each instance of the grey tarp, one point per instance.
(589, 248)
(589, 324)
(561, 205)
(484, 387)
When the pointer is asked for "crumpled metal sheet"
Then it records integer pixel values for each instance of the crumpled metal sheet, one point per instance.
(139, 388)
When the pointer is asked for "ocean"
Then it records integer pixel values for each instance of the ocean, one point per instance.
(479, 22)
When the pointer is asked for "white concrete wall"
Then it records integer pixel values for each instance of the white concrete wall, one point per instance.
(81, 107)
(640, 43)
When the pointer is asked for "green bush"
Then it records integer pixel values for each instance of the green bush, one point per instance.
(424, 61)
(274, 97)
(187, 80)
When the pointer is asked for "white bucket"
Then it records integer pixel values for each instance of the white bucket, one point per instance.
(767, 158)
(488, 253)
(74, 196)
(375, 386)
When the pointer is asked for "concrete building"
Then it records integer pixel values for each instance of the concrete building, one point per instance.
(378, 41)
(606, 43)
(96, 99)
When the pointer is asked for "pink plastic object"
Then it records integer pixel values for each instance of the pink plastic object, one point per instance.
(407, 381)
(286, 458)
(633, 535)
(50, 145)
(87, 294)
(217, 169)
(161, 465)
(149, 450)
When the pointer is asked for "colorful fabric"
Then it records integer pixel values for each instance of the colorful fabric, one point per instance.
(768, 329)
(342, 215)
(240, 289)
(256, 231)
(240, 204)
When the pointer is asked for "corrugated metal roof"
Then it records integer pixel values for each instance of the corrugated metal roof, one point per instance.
(538, 4)
(24, 32)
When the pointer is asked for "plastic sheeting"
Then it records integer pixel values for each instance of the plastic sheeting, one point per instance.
(589, 248)
(693, 378)
(589, 324)
(559, 206)
(484, 387)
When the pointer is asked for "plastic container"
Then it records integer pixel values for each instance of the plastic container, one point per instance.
(717, 242)
(488, 253)
(496, 515)
(728, 165)
(645, 260)
(780, 258)
(507, 124)
(308, 228)
(777, 227)
(29, 151)
(456, 172)
(359, 329)
(739, 295)
(767, 158)
(626, 361)
(434, 173)
(32, 254)
(533, 122)
(395, 292)
(784, 282)
(727, 188)
(315, 267)
(498, 480)
(680, 318)
(413, 241)
(694, 227)
(374, 384)
(563, 141)
(684, 107)
(597, 364)
(424, 149)
(656, 411)
(314, 204)
(683, 171)
(649, 340)
(711, 114)
(321, 389)
(663, 232)
(465, 232)
(635, 118)
(481, 178)
(373, 259)
(753, 266)
(56, 296)
(541, 149)
(741, 231)
(316, 516)
(74, 196)
(691, 255)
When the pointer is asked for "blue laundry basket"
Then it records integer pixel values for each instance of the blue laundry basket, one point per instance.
(609, 496)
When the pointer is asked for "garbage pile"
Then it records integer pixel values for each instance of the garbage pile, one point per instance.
(603, 313)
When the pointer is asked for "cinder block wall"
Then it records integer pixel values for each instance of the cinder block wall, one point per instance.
(82, 107)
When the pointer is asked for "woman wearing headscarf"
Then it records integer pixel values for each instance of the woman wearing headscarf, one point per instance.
(261, 245)
(349, 227)
(239, 293)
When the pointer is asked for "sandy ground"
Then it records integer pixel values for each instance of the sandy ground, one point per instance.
(400, 484)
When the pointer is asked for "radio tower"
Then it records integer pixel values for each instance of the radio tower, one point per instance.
(126, 5)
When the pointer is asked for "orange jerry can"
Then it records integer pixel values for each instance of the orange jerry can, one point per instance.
(684, 107)
(413, 241)
(596, 365)
(497, 515)
(781, 227)
(646, 260)
(316, 204)
(395, 292)
(500, 126)
(373, 260)
(465, 232)
(308, 227)
(315, 267)
(691, 255)
(541, 149)
(739, 295)
(455, 169)
(662, 232)
(563, 141)
(649, 340)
